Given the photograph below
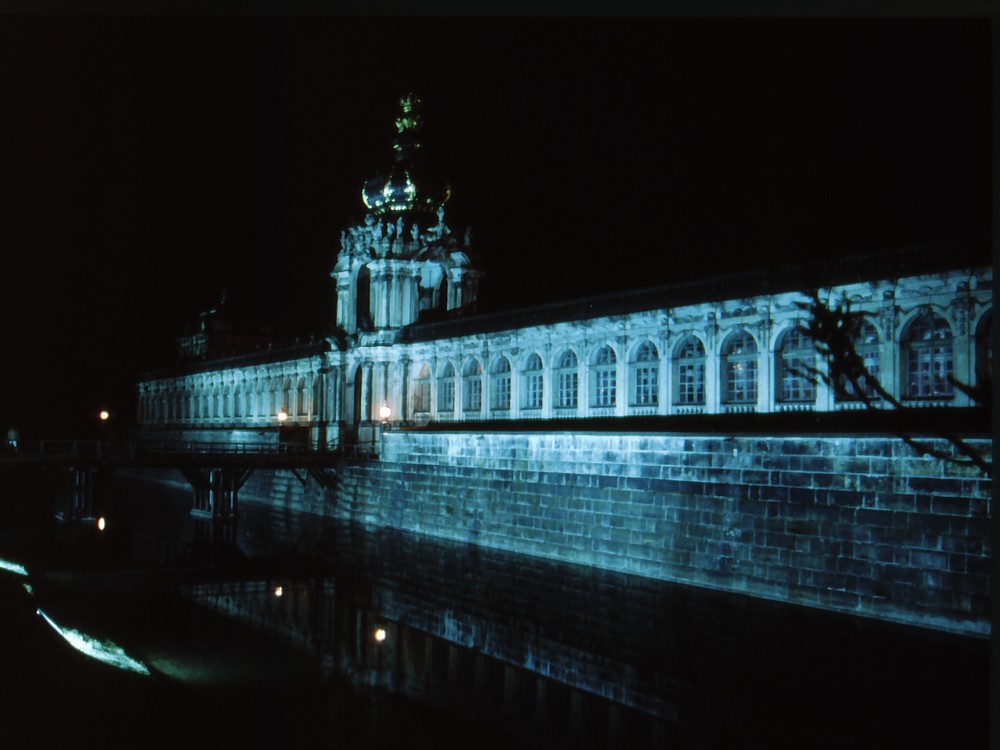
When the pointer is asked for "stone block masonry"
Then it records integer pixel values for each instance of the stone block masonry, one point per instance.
(856, 524)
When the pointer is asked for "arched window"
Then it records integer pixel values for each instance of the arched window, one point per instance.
(866, 344)
(533, 382)
(274, 396)
(739, 369)
(446, 389)
(567, 380)
(796, 359)
(689, 371)
(422, 391)
(286, 396)
(238, 401)
(262, 391)
(645, 375)
(227, 409)
(928, 357)
(984, 352)
(472, 387)
(603, 377)
(301, 405)
(186, 406)
(500, 385)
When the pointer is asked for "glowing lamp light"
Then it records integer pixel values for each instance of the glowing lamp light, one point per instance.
(380, 635)
(101, 524)
(384, 413)
(278, 591)
(282, 415)
(104, 416)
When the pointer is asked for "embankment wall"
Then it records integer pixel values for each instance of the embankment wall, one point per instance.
(854, 524)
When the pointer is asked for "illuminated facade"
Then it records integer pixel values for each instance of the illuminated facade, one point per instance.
(406, 285)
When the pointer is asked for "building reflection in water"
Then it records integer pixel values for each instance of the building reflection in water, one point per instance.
(548, 653)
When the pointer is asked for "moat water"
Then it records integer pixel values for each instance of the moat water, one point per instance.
(292, 632)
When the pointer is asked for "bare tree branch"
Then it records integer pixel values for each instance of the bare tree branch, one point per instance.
(835, 331)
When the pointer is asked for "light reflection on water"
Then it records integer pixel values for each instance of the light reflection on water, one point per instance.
(483, 645)
(105, 651)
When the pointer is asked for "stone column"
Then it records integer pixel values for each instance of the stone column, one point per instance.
(765, 372)
(889, 369)
(963, 364)
(713, 372)
(366, 393)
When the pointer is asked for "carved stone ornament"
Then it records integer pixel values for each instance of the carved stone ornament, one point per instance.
(960, 310)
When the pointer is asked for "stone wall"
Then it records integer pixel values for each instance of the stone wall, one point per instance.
(843, 523)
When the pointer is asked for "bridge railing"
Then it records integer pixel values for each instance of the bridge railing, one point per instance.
(101, 449)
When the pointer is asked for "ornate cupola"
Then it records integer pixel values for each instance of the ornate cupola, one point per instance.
(403, 262)
(411, 185)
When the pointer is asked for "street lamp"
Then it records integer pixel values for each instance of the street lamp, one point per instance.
(384, 412)
(104, 415)
(282, 416)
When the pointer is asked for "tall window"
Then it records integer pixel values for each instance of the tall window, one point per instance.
(796, 358)
(446, 388)
(866, 344)
(928, 356)
(238, 401)
(286, 396)
(646, 369)
(984, 351)
(567, 380)
(364, 311)
(604, 377)
(689, 371)
(500, 382)
(533, 382)
(739, 369)
(264, 398)
(472, 387)
(422, 391)
(301, 406)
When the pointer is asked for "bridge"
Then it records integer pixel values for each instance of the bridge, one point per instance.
(216, 471)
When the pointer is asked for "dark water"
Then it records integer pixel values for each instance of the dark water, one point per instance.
(482, 648)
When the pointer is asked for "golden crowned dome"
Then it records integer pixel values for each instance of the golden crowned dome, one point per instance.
(409, 185)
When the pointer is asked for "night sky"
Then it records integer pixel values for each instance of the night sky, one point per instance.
(149, 162)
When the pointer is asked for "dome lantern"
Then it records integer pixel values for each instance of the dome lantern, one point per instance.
(410, 185)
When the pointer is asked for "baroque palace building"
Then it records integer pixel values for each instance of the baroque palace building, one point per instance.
(408, 352)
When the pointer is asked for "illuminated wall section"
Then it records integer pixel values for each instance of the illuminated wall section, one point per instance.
(734, 356)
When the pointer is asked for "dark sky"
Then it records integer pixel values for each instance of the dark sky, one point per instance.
(147, 163)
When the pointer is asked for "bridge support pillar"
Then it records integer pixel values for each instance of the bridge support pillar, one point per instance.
(216, 494)
(77, 499)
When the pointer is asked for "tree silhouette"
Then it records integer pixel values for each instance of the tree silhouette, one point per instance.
(835, 331)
